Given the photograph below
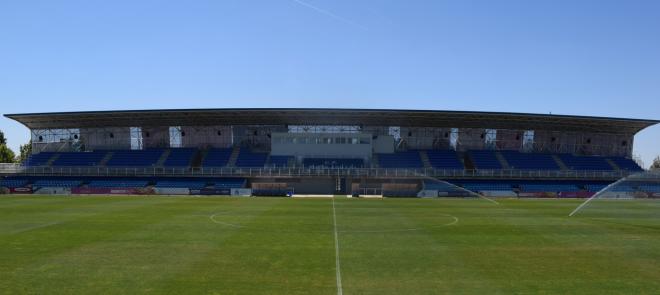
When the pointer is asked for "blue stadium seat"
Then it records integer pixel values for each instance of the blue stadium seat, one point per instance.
(444, 159)
(180, 157)
(409, 159)
(191, 184)
(118, 183)
(549, 187)
(650, 188)
(585, 162)
(56, 183)
(484, 159)
(530, 161)
(280, 161)
(40, 159)
(13, 182)
(80, 158)
(333, 163)
(626, 164)
(217, 157)
(135, 158)
(595, 187)
(441, 186)
(229, 183)
(488, 186)
(246, 158)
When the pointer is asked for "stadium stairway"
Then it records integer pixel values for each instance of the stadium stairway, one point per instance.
(559, 162)
(198, 158)
(234, 156)
(484, 159)
(614, 165)
(425, 159)
(374, 161)
(106, 158)
(467, 162)
(625, 164)
(163, 158)
(503, 162)
(52, 160)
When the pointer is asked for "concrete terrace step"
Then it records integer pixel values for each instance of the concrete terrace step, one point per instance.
(52, 159)
(502, 160)
(425, 159)
(234, 157)
(614, 165)
(559, 162)
(163, 158)
(106, 158)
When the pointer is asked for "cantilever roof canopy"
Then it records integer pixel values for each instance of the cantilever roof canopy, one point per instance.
(297, 116)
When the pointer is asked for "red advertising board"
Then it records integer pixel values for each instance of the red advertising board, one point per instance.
(20, 190)
(110, 191)
(538, 195)
(576, 194)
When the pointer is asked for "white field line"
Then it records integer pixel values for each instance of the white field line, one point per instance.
(489, 199)
(212, 217)
(337, 265)
(596, 194)
(29, 228)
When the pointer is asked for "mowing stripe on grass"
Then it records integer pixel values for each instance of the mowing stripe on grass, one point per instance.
(337, 266)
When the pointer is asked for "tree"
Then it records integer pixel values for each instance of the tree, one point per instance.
(6, 154)
(656, 163)
(25, 151)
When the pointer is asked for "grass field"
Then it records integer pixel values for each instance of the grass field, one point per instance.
(219, 245)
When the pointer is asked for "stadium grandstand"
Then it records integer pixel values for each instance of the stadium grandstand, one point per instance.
(398, 153)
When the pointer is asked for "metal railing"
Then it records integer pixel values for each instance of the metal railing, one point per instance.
(309, 172)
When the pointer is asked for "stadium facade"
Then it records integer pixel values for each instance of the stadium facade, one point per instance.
(324, 151)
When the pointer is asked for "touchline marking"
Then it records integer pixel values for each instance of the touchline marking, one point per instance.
(337, 266)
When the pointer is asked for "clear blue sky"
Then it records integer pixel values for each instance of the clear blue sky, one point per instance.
(599, 57)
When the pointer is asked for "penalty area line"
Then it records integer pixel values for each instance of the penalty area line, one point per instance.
(337, 264)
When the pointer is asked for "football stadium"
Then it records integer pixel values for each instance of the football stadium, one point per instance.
(328, 201)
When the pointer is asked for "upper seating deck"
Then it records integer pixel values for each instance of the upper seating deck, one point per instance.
(484, 159)
(180, 157)
(135, 158)
(79, 159)
(247, 158)
(217, 157)
(585, 162)
(409, 159)
(626, 164)
(40, 159)
(413, 159)
(530, 161)
(444, 159)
